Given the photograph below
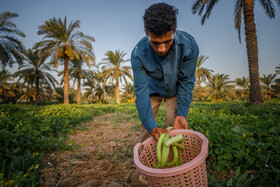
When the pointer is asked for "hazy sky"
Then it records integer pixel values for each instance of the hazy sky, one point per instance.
(118, 25)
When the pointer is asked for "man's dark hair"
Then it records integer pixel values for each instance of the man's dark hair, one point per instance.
(160, 18)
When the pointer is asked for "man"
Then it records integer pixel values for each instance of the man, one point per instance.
(163, 63)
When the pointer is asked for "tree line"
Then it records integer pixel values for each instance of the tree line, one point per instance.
(218, 87)
(64, 45)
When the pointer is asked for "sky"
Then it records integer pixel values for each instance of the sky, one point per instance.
(118, 25)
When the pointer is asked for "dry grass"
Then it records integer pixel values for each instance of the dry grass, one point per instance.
(105, 154)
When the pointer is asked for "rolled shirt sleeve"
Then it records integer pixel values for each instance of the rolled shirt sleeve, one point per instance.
(186, 81)
(141, 86)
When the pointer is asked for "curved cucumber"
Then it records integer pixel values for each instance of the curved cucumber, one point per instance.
(180, 160)
(174, 139)
(165, 152)
(155, 165)
(159, 146)
(175, 156)
(179, 146)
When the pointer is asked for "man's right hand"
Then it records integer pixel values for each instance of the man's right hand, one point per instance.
(157, 131)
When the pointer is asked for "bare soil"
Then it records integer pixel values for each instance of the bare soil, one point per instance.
(104, 157)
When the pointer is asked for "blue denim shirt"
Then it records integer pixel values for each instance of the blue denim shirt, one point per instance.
(170, 76)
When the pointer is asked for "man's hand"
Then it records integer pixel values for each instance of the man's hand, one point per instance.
(180, 123)
(157, 131)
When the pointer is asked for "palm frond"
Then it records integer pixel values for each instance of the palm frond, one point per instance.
(238, 10)
(268, 7)
(11, 49)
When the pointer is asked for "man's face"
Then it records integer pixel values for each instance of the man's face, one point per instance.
(161, 44)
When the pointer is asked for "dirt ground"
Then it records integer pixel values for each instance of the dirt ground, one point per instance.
(105, 156)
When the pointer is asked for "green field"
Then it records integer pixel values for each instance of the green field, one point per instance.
(244, 140)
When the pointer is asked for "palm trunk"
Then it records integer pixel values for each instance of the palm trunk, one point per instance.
(99, 99)
(252, 53)
(79, 92)
(66, 80)
(37, 91)
(31, 99)
(117, 92)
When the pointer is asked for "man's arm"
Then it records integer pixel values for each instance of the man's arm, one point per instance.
(141, 86)
(143, 102)
(186, 80)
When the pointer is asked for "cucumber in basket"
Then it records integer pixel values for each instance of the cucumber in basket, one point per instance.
(163, 150)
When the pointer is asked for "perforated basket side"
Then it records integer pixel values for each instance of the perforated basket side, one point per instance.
(193, 147)
(195, 177)
(148, 153)
(196, 151)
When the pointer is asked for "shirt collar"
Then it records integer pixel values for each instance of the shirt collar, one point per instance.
(176, 40)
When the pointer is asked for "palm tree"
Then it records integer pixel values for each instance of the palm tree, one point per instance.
(244, 83)
(245, 9)
(202, 73)
(11, 49)
(35, 73)
(62, 43)
(99, 88)
(95, 87)
(220, 85)
(59, 95)
(267, 82)
(89, 85)
(113, 70)
(8, 89)
(29, 94)
(276, 86)
(77, 73)
(277, 71)
(128, 91)
(5, 77)
(110, 91)
(46, 93)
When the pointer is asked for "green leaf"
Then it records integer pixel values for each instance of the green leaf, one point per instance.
(242, 178)
(248, 181)
(1, 176)
(237, 172)
(238, 129)
(229, 182)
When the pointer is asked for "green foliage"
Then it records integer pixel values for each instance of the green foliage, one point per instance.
(243, 149)
(240, 136)
(237, 180)
(21, 169)
(27, 132)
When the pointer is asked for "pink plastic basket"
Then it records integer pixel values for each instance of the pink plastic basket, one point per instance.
(191, 173)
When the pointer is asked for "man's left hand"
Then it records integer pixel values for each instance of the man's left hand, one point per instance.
(157, 131)
(180, 123)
